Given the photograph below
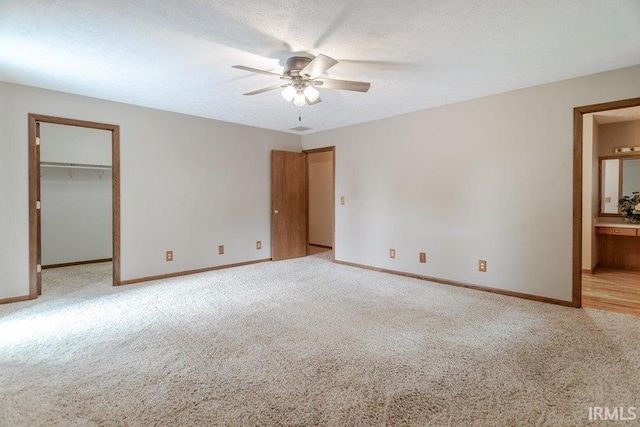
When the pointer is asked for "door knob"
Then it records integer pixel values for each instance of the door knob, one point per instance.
(276, 212)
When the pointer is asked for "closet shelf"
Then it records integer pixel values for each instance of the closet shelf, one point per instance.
(74, 166)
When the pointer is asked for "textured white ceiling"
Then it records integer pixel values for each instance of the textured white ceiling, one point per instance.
(177, 55)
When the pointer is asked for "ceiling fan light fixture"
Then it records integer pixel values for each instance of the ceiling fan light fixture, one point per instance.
(311, 93)
(300, 74)
(288, 93)
(299, 100)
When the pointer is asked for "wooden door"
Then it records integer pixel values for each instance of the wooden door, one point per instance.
(288, 205)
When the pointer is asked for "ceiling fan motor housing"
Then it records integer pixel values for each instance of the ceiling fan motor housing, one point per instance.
(294, 64)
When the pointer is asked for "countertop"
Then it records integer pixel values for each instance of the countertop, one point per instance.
(616, 224)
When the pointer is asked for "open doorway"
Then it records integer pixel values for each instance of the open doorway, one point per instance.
(74, 200)
(290, 203)
(609, 170)
(321, 201)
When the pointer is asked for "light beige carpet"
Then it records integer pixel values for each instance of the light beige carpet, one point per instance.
(305, 342)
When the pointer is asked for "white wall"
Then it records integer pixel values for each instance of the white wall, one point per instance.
(620, 134)
(321, 205)
(76, 203)
(76, 215)
(486, 179)
(594, 197)
(72, 144)
(187, 184)
(590, 142)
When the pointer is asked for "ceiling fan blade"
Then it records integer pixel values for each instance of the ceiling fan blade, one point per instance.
(317, 101)
(318, 66)
(343, 85)
(266, 89)
(255, 70)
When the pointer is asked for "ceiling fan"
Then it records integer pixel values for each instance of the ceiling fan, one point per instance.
(302, 76)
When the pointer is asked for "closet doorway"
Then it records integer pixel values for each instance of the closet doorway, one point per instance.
(321, 201)
(74, 201)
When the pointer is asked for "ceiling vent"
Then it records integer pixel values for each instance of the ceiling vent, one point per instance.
(300, 128)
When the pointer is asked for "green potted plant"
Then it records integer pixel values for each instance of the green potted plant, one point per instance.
(630, 208)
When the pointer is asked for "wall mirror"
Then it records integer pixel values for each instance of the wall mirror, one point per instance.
(619, 176)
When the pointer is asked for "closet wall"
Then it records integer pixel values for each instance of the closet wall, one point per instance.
(76, 202)
(321, 198)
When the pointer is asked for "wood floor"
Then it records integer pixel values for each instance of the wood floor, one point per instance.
(612, 290)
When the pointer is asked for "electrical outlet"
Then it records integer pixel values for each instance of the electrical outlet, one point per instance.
(342, 200)
(221, 250)
(258, 244)
(423, 257)
(392, 253)
(169, 256)
(482, 266)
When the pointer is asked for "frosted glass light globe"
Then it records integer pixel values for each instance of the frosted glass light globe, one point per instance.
(288, 93)
(311, 93)
(299, 99)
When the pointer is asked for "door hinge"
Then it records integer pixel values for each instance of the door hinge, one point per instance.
(38, 268)
(37, 140)
(38, 204)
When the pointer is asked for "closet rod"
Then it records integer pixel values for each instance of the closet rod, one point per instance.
(74, 166)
